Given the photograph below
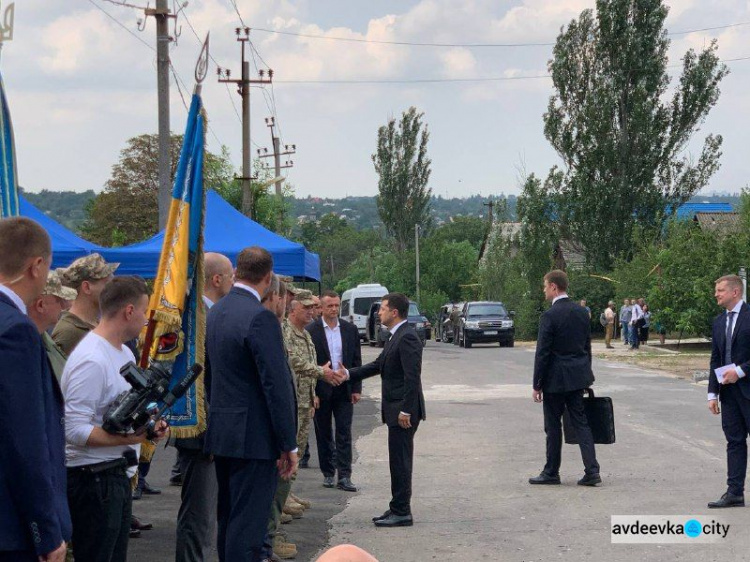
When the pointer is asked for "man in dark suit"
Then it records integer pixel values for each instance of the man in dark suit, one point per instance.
(34, 518)
(252, 420)
(403, 407)
(731, 347)
(562, 369)
(336, 343)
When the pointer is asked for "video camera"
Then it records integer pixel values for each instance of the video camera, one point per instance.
(136, 409)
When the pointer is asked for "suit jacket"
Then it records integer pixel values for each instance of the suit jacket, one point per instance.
(563, 349)
(34, 512)
(252, 408)
(400, 369)
(351, 355)
(740, 350)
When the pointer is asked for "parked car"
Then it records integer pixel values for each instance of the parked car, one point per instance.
(444, 329)
(356, 303)
(377, 335)
(486, 322)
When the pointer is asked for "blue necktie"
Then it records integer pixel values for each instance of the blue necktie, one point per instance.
(728, 340)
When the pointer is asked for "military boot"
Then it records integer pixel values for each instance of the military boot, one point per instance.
(285, 518)
(284, 550)
(294, 509)
(307, 504)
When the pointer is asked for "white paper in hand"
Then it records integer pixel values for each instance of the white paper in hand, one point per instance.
(721, 371)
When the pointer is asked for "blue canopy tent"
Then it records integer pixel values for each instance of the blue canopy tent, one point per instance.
(66, 246)
(227, 231)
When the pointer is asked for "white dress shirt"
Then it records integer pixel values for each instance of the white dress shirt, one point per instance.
(335, 347)
(740, 372)
(558, 297)
(207, 302)
(11, 294)
(249, 289)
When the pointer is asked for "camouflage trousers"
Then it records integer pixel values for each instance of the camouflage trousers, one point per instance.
(304, 421)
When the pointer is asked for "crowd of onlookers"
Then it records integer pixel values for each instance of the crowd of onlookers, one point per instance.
(633, 320)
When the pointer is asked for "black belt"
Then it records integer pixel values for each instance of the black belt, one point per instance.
(120, 463)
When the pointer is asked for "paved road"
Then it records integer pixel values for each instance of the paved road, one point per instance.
(482, 440)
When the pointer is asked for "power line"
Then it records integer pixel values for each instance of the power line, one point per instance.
(118, 22)
(464, 45)
(239, 15)
(451, 80)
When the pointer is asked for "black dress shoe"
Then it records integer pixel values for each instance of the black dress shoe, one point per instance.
(304, 463)
(545, 478)
(728, 500)
(394, 520)
(137, 494)
(134, 534)
(176, 480)
(590, 480)
(379, 517)
(346, 485)
(328, 482)
(148, 489)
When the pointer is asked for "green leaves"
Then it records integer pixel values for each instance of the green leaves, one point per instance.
(403, 167)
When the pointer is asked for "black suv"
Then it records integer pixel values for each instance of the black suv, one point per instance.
(377, 335)
(485, 322)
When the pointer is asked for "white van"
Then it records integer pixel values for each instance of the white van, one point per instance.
(355, 304)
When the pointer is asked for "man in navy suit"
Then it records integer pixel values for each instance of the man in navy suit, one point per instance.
(731, 347)
(252, 420)
(403, 406)
(34, 519)
(562, 369)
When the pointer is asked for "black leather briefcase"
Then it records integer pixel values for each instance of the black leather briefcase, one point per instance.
(601, 417)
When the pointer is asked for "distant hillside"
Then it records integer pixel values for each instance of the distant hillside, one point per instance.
(66, 207)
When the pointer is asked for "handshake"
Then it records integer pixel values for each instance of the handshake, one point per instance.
(335, 377)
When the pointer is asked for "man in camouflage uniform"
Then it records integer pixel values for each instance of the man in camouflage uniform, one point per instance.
(303, 361)
(45, 311)
(88, 276)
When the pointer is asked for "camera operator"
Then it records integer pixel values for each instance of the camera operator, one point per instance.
(98, 481)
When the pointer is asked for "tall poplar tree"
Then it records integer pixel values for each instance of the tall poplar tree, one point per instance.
(620, 131)
(403, 168)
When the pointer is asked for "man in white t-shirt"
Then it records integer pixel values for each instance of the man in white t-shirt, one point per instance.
(90, 383)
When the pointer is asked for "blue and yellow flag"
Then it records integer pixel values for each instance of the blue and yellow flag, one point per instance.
(8, 170)
(177, 326)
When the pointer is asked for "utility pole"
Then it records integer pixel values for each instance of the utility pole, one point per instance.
(277, 154)
(416, 244)
(491, 206)
(243, 88)
(162, 15)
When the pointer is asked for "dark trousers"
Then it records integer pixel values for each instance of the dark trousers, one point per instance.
(335, 452)
(554, 406)
(196, 518)
(735, 421)
(100, 509)
(19, 556)
(401, 462)
(246, 490)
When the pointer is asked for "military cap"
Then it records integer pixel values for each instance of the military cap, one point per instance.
(295, 290)
(55, 287)
(285, 278)
(304, 297)
(88, 268)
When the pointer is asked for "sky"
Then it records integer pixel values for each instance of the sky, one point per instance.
(81, 80)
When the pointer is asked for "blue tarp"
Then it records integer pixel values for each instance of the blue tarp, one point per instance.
(66, 246)
(227, 231)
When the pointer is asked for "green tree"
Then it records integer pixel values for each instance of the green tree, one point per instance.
(460, 229)
(126, 211)
(621, 140)
(403, 168)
